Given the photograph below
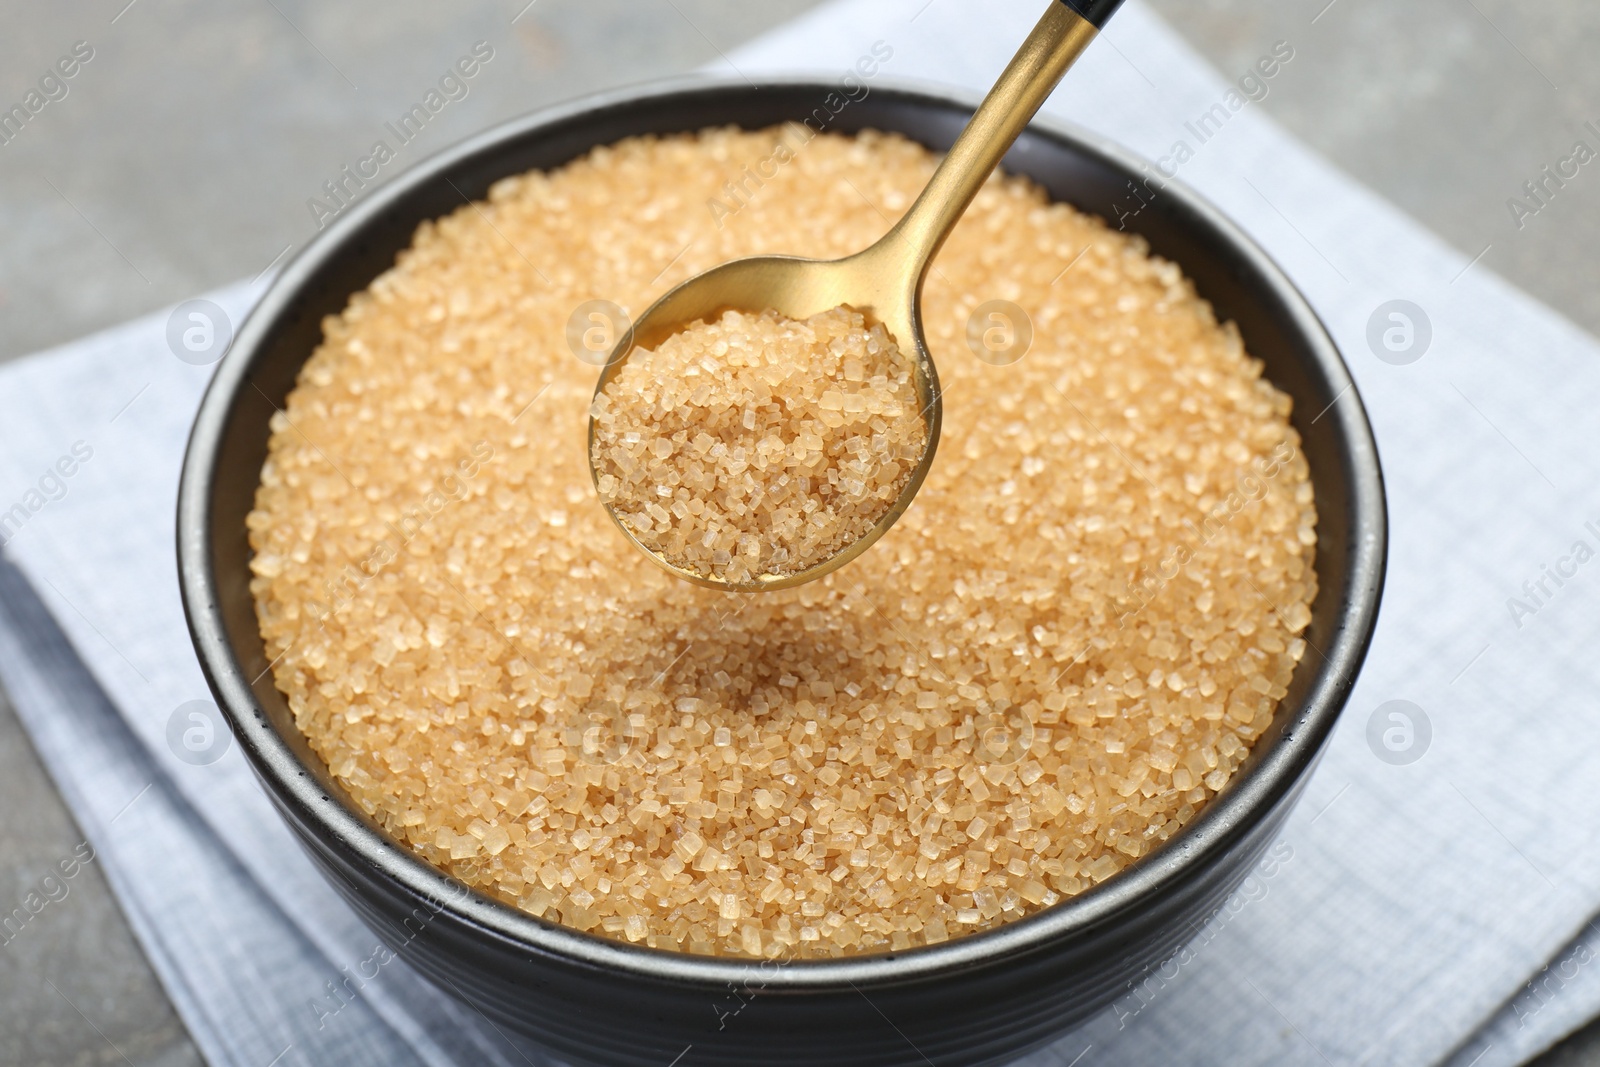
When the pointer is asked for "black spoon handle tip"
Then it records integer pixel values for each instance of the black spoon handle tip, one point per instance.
(1097, 12)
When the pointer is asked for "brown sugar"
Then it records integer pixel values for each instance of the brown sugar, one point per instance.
(758, 445)
(1048, 666)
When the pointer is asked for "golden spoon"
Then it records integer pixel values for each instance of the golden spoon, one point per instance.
(884, 281)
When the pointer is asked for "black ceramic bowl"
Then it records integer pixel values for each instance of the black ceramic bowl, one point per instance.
(976, 1000)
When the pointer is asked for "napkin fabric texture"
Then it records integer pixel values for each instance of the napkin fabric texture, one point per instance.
(1436, 911)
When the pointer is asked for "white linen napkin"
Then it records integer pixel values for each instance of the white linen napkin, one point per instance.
(1405, 905)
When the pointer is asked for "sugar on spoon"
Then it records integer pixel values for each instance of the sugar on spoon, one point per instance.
(884, 281)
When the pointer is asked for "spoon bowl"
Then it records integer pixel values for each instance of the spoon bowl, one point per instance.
(797, 288)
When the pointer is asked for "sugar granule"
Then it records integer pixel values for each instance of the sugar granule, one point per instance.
(1046, 668)
(757, 445)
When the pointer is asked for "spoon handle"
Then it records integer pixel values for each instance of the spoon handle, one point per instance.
(1051, 48)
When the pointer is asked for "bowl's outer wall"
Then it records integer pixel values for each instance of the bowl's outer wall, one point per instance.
(1004, 992)
(985, 1016)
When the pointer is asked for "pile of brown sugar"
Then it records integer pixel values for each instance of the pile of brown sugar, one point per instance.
(1046, 668)
(758, 445)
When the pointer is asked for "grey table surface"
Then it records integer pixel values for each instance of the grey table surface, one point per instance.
(185, 149)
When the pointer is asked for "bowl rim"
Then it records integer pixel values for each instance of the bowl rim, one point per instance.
(1244, 802)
